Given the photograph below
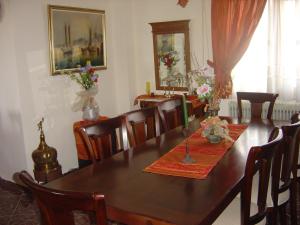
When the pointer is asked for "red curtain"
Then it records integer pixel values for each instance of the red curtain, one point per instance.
(233, 23)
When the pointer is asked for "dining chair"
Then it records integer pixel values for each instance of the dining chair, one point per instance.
(57, 206)
(256, 100)
(296, 170)
(171, 113)
(282, 182)
(143, 124)
(114, 129)
(242, 210)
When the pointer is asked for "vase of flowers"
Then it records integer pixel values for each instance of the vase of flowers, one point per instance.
(85, 101)
(215, 129)
(201, 83)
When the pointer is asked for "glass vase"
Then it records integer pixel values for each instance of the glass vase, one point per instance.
(213, 107)
(214, 139)
(90, 111)
(212, 111)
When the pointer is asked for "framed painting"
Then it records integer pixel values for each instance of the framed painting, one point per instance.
(76, 36)
(171, 54)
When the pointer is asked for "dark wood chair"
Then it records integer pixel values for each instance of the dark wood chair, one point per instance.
(57, 206)
(143, 124)
(296, 170)
(114, 129)
(283, 184)
(242, 210)
(256, 100)
(171, 113)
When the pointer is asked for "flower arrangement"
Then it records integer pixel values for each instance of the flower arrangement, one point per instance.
(205, 89)
(86, 77)
(85, 101)
(214, 126)
(169, 59)
(201, 82)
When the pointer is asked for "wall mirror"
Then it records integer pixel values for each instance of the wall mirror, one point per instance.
(171, 54)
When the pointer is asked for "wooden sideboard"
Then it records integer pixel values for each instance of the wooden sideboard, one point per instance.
(194, 105)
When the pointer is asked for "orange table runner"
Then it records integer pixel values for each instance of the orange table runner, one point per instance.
(204, 153)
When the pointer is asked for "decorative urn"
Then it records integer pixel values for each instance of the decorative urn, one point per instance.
(46, 166)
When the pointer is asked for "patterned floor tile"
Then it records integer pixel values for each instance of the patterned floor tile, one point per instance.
(24, 219)
(4, 220)
(8, 204)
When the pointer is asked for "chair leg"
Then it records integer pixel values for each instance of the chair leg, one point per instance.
(272, 216)
(293, 202)
(282, 214)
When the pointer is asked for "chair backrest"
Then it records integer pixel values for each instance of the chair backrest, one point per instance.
(57, 206)
(171, 113)
(259, 161)
(105, 137)
(143, 124)
(256, 100)
(295, 119)
(285, 161)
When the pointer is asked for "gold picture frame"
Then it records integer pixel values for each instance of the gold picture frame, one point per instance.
(76, 35)
(171, 47)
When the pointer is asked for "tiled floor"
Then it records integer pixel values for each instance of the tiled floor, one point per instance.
(18, 208)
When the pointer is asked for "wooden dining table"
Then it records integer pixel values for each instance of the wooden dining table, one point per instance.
(136, 197)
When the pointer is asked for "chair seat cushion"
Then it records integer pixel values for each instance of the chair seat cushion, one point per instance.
(232, 214)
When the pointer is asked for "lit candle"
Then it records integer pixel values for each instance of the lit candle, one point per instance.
(185, 113)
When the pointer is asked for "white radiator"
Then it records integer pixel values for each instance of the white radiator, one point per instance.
(281, 110)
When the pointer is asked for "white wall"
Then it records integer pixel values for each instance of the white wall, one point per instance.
(33, 93)
(12, 155)
(123, 41)
(147, 11)
(28, 92)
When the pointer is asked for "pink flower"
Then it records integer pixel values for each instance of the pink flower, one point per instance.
(203, 89)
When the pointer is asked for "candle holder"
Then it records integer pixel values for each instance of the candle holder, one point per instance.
(187, 159)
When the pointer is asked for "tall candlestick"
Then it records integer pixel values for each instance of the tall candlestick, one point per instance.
(185, 114)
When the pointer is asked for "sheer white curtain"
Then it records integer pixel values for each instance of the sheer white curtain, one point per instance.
(272, 61)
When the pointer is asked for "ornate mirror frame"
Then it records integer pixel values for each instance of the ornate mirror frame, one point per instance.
(171, 46)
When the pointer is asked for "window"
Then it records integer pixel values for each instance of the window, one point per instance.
(271, 62)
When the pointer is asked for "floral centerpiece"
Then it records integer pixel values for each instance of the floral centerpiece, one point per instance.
(85, 101)
(215, 129)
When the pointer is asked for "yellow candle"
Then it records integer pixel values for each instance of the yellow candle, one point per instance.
(148, 88)
(88, 63)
